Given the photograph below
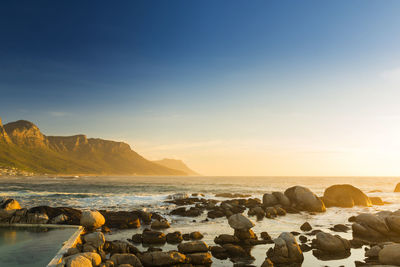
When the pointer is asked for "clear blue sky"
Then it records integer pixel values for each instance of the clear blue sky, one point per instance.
(231, 87)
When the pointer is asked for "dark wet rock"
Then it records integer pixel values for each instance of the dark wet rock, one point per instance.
(219, 252)
(303, 199)
(295, 233)
(201, 258)
(331, 244)
(373, 252)
(376, 201)
(153, 249)
(119, 247)
(357, 243)
(137, 238)
(269, 200)
(105, 229)
(191, 212)
(303, 239)
(174, 238)
(306, 227)
(231, 195)
(340, 228)
(345, 196)
(144, 216)
(373, 227)
(188, 201)
(240, 222)
(89, 248)
(158, 258)
(160, 224)
(252, 203)
(256, 211)
(73, 216)
(305, 248)
(352, 219)
(226, 239)
(265, 236)
(120, 259)
(321, 255)
(196, 235)
(121, 219)
(244, 234)
(192, 247)
(153, 237)
(314, 232)
(215, 214)
(186, 237)
(286, 250)
(280, 211)
(270, 212)
(235, 251)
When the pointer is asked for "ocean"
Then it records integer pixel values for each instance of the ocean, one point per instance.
(149, 193)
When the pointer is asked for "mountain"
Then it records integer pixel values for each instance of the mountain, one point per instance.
(24, 146)
(176, 165)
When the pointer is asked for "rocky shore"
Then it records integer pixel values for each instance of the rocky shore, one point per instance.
(378, 234)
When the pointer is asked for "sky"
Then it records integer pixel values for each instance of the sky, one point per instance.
(281, 88)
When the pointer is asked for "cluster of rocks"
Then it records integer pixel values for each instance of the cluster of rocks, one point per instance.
(382, 254)
(151, 237)
(378, 227)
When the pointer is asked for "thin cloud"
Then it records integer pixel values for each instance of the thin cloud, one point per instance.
(392, 75)
(58, 114)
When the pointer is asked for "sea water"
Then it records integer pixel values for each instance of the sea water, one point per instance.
(149, 193)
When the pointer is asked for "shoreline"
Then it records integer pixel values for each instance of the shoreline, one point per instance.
(187, 210)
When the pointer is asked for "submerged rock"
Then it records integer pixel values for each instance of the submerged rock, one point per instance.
(303, 199)
(345, 196)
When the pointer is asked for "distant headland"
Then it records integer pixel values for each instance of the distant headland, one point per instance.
(25, 148)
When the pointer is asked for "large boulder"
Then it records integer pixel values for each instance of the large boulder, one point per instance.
(390, 254)
(9, 204)
(331, 244)
(345, 196)
(286, 250)
(193, 247)
(126, 258)
(78, 260)
(282, 199)
(121, 219)
(269, 200)
(92, 219)
(371, 227)
(240, 222)
(303, 199)
(159, 258)
(95, 239)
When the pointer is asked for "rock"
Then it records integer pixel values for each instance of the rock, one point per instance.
(373, 252)
(258, 211)
(370, 227)
(265, 236)
(196, 235)
(240, 222)
(305, 227)
(92, 219)
(303, 199)
(159, 258)
(36, 218)
(72, 251)
(282, 199)
(78, 260)
(397, 188)
(174, 238)
(9, 204)
(215, 214)
(88, 248)
(192, 247)
(226, 239)
(160, 224)
(390, 254)
(269, 200)
(126, 258)
(121, 219)
(376, 201)
(73, 216)
(393, 222)
(95, 239)
(120, 247)
(219, 252)
(345, 196)
(178, 196)
(340, 228)
(267, 263)
(235, 251)
(153, 237)
(230, 195)
(245, 234)
(286, 250)
(280, 211)
(137, 238)
(333, 244)
(60, 219)
(270, 212)
(202, 258)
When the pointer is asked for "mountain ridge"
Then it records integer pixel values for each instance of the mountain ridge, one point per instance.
(24, 146)
(176, 165)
